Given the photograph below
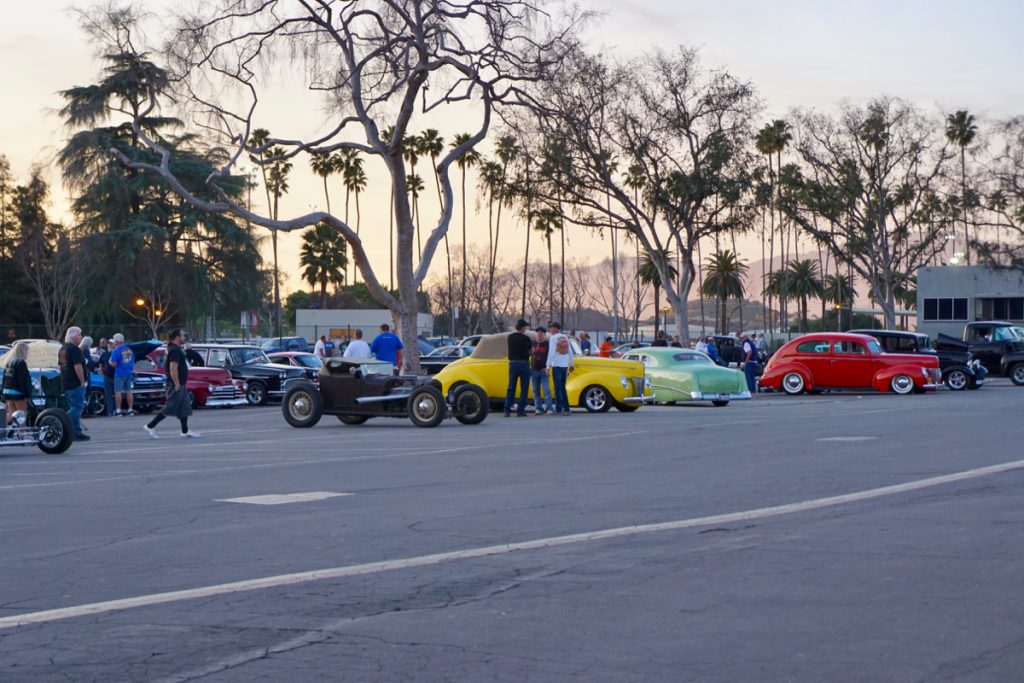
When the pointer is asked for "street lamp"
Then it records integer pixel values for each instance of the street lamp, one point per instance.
(839, 317)
(664, 319)
(140, 302)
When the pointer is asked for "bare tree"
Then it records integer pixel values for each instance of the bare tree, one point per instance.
(1003, 202)
(658, 147)
(378, 64)
(874, 173)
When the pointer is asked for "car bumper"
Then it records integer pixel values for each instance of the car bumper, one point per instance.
(639, 400)
(225, 402)
(931, 387)
(723, 396)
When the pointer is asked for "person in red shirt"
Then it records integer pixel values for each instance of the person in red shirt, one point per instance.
(606, 348)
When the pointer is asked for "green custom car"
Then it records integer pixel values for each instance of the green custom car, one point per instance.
(687, 375)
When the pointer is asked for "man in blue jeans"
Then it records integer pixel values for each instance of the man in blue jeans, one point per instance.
(539, 375)
(73, 378)
(560, 363)
(750, 364)
(520, 347)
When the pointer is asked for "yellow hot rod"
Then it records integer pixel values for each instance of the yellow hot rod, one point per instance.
(596, 384)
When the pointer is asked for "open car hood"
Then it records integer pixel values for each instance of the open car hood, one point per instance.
(944, 342)
(143, 349)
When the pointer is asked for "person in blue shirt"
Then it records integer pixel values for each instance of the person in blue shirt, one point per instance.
(122, 360)
(713, 352)
(387, 347)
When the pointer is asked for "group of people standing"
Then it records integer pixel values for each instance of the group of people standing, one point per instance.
(543, 364)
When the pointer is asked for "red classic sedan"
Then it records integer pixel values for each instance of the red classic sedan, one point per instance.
(847, 361)
(210, 387)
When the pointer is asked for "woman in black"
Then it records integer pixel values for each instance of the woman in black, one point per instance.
(17, 381)
(179, 402)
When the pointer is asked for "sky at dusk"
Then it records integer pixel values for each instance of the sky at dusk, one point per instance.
(941, 54)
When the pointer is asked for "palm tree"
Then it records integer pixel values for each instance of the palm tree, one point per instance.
(636, 180)
(470, 158)
(802, 283)
(961, 131)
(649, 274)
(431, 144)
(506, 150)
(411, 152)
(277, 186)
(415, 186)
(355, 183)
(773, 139)
(839, 290)
(324, 258)
(323, 165)
(724, 280)
(548, 220)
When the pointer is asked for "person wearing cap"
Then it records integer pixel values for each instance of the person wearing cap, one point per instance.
(520, 347)
(561, 363)
(539, 375)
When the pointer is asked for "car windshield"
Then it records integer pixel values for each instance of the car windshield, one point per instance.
(1007, 334)
(308, 360)
(691, 357)
(247, 356)
(444, 351)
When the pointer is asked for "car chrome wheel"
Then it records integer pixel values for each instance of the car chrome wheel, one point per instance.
(300, 405)
(957, 380)
(902, 384)
(256, 394)
(426, 407)
(595, 399)
(1017, 374)
(793, 383)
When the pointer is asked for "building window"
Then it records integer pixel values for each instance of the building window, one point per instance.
(945, 309)
(1001, 308)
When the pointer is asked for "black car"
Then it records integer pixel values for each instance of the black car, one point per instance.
(49, 429)
(960, 370)
(438, 359)
(999, 346)
(354, 390)
(264, 380)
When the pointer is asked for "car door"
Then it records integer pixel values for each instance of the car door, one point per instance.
(852, 366)
(816, 356)
(985, 348)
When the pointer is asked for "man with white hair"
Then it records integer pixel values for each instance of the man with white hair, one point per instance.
(73, 378)
(123, 362)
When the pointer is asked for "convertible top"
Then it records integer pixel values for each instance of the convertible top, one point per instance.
(495, 346)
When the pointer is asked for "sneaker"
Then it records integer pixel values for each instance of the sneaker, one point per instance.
(541, 412)
(191, 435)
(117, 413)
(566, 413)
(130, 413)
(151, 431)
(82, 437)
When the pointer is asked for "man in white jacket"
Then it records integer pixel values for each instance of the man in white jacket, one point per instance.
(560, 363)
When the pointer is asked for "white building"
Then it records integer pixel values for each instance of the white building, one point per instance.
(948, 297)
(335, 324)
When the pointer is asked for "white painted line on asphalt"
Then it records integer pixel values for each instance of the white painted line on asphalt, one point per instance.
(317, 461)
(848, 438)
(280, 580)
(283, 498)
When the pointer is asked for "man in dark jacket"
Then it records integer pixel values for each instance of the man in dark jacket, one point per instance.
(73, 378)
(520, 347)
(108, 376)
(179, 402)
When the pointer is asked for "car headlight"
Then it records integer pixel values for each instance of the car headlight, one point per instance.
(647, 382)
(210, 387)
(625, 381)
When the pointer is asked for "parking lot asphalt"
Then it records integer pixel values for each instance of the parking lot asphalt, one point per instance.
(837, 537)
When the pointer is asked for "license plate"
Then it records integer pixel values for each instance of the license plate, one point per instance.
(723, 397)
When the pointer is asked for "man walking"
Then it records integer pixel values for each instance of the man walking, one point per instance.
(179, 403)
(108, 376)
(560, 362)
(357, 348)
(750, 363)
(122, 360)
(387, 347)
(539, 374)
(73, 378)
(519, 349)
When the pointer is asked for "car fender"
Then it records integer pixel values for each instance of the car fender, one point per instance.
(1011, 359)
(773, 375)
(580, 378)
(461, 372)
(883, 377)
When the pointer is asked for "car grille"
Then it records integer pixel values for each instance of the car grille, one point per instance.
(226, 391)
(637, 384)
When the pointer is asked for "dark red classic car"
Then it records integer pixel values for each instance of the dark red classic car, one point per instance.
(847, 361)
(212, 387)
